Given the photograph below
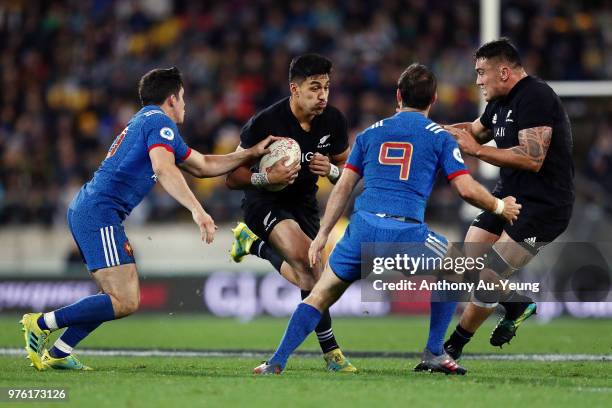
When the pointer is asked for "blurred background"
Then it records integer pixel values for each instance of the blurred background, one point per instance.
(69, 72)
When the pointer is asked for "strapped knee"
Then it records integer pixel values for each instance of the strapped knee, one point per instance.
(495, 262)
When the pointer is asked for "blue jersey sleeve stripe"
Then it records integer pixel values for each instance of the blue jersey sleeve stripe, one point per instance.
(165, 146)
(186, 155)
(456, 174)
(353, 168)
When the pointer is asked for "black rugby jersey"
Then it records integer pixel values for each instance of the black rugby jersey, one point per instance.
(532, 103)
(328, 136)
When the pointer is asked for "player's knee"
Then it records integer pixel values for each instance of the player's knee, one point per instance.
(132, 305)
(307, 277)
(299, 260)
(318, 300)
(487, 293)
(497, 263)
(305, 272)
(307, 281)
(126, 305)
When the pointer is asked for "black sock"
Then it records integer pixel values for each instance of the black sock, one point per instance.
(261, 249)
(324, 331)
(460, 337)
(515, 304)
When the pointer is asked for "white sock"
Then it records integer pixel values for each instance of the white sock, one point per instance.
(50, 320)
(63, 347)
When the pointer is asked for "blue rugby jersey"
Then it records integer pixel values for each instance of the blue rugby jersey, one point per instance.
(399, 157)
(126, 175)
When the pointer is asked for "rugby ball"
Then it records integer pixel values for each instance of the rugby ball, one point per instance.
(279, 149)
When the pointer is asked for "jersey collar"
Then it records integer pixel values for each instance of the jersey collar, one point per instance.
(518, 86)
(150, 107)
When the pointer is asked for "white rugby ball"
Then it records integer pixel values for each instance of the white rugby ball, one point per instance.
(279, 149)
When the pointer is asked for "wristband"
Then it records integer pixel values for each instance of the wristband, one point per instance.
(500, 207)
(259, 179)
(334, 173)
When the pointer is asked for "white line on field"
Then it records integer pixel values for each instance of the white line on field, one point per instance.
(356, 354)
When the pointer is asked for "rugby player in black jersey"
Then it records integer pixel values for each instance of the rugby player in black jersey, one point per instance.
(279, 226)
(534, 152)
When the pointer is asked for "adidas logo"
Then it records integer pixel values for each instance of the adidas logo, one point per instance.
(531, 241)
(494, 121)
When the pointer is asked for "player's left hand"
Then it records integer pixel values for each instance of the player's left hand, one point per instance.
(316, 247)
(466, 142)
(206, 224)
(261, 148)
(320, 165)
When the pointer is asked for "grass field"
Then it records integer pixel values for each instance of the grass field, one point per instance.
(227, 381)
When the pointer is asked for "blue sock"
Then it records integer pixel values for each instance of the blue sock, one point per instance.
(302, 323)
(92, 309)
(441, 315)
(41, 322)
(70, 338)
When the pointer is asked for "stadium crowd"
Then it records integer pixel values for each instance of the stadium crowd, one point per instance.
(70, 68)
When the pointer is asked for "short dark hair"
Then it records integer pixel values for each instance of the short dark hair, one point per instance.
(417, 85)
(308, 65)
(502, 49)
(158, 84)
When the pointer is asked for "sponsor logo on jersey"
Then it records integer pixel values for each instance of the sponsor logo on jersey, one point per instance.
(457, 155)
(128, 249)
(530, 241)
(166, 133)
(307, 156)
(322, 144)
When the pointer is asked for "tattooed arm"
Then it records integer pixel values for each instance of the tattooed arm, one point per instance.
(533, 146)
(528, 155)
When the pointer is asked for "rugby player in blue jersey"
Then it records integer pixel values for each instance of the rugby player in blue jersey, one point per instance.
(150, 149)
(398, 158)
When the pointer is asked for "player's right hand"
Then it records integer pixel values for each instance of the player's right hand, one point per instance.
(465, 140)
(281, 174)
(316, 247)
(511, 209)
(206, 224)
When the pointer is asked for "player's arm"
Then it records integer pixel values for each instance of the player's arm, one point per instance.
(242, 178)
(528, 155)
(476, 129)
(331, 168)
(209, 165)
(474, 193)
(335, 207)
(172, 180)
